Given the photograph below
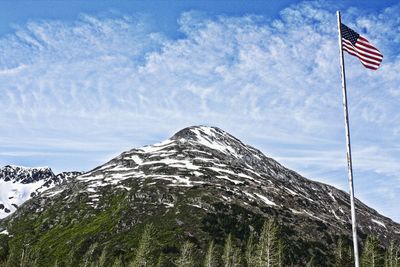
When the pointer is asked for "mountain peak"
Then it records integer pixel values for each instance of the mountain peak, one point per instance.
(200, 178)
(215, 139)
(207, 134)
(25, 175)
(18, 167)
(193, 132)
(204, 155)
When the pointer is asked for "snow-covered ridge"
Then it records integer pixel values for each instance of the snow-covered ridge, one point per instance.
(208, 156)
(207, 161)
(18, 184)
(24, 168)
(194, 155)
(202, 140)
(24, 175)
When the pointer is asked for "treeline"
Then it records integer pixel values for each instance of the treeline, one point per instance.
(266, 248)
(373, 254)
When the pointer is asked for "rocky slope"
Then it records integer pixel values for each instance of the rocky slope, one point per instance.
(18, 184)
(200, 184)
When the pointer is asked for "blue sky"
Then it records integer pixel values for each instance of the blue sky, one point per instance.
(83, 81)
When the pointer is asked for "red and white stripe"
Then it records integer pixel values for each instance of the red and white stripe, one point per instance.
(369, 56)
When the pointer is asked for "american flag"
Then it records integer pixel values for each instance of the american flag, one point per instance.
(358, 46)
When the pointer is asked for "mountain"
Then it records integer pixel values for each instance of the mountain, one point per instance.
(199, 185)
(18, 184)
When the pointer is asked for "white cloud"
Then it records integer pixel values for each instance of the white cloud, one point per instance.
(108, 83)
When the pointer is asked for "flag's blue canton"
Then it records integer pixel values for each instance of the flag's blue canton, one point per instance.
(349, 34)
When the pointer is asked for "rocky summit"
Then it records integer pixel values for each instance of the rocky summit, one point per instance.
(199, 185)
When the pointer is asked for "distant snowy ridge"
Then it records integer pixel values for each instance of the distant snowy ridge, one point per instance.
(18, 184)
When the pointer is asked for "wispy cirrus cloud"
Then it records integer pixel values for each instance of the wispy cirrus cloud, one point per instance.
(103, 84)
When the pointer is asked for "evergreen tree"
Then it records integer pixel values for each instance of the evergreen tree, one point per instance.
(269, 252)
(186, 257)
(161, 260)
(232, 256)
(392, 257)
(236, 257)
(310, 263)
(281, 254)
(372, 255)
(24, 257)
(88, 257)
(211, 256)
(146, 248)
(249, 252)
(103, 258)
(350, 252)
(342, 256)
(118, 262)
(228, 252)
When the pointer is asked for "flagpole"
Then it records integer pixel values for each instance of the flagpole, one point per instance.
(349, 161)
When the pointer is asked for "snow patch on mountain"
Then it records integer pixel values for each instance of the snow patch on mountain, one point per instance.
(266, 200)
(157, 147)
(4, 232)
(378, 223)
(207, 136)
(18, 184)
(13, 195)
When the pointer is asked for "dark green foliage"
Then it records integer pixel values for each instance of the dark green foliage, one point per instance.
(299, 252)
(372, 255)
(269, 250)
(232, 254)
(343, 253)
(237, 220)
(161, 261)
(392, 255)
(228, 252)
(147, 245)
(211, 257)
(96, 237)
(281, 252)
(4, 250)
(112, 235)
(118, 262)
(231, 219)
(102, 262)
(250, 250)
(89, 257)
(186, 257)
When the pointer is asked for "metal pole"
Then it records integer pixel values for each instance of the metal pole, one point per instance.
(349, 162)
